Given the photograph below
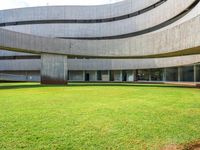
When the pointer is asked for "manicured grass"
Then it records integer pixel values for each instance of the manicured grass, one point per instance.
(119, 116)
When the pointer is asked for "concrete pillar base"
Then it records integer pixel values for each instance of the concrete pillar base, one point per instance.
(53, 69)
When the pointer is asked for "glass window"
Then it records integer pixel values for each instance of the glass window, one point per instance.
(143, 75)
(172, 74)
(157, 74)
(187, 73)
(198, 73)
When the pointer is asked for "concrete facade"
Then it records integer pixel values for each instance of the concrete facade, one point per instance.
(150, 40)
(53, 69)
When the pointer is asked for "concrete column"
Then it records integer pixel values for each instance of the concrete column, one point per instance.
(195, 73)
(84, 72)
(164, 74)
(109, 75)
(96, 76)
(179, 74)
(134, 75)
(121, 75)
(26, 75)
(53, 69)
(150, 75)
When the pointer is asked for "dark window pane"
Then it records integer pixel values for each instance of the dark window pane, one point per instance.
(171, 74)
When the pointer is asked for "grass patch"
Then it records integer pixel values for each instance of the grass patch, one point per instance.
(98, 116)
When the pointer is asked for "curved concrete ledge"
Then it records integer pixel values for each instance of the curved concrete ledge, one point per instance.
(75, 12)
(137, 25)
(191, 14)
(104, 64)
(22, 64)
(82, 21)
(185, 38)
(131, 64)
(5, 53)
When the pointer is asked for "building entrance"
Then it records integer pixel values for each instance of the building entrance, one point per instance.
(87, 77)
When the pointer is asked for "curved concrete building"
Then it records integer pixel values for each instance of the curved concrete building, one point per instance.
(143, 40)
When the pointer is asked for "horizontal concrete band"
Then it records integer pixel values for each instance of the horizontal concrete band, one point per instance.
(104, 64)
(135, 26)
(5, 53)
(126, 16)
(76, 12)
(179, 38)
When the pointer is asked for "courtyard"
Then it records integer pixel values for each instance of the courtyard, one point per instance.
(97, 116)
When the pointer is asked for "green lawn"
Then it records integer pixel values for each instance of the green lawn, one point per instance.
(99, 116)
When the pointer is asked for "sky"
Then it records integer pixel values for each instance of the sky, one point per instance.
(7, 4)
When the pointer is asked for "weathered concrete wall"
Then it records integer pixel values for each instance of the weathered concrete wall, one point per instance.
(53, 69)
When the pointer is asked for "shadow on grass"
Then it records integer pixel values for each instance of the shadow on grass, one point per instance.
(27, 85)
